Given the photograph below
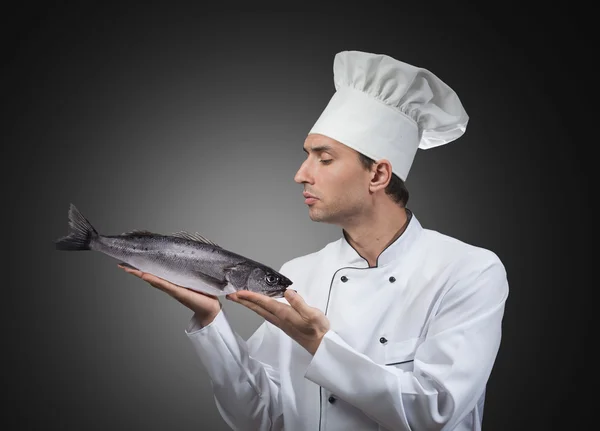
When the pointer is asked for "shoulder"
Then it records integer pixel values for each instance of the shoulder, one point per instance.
(472, 273)
(448, 250)
(467, 270)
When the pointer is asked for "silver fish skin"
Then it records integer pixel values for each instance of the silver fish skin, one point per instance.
(183, 258)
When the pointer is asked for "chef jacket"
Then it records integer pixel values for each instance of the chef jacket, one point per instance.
(411, 344)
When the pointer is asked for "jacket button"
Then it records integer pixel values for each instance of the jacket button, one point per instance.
(344, 278)
(382, 340)
(332, 399)
(392, 279)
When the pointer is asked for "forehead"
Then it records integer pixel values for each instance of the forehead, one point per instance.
(317, 142)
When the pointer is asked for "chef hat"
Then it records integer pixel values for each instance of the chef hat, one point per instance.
(386, 109)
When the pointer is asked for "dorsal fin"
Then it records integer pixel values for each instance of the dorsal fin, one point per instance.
(194, 237)
(138, 232)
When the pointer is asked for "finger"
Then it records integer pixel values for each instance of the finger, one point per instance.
(184, 296)
(197, 292)
(281, 311)
(270, 317)
(263, 301)
(154, 281)
(135, 272)
(181, 293)
(151, 279)
(298, 304)
(164, 285)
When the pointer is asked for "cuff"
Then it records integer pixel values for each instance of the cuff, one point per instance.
(195, 325)
(195, 328)
(331, 361)
(216, 344)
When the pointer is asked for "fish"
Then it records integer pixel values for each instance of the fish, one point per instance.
(186, 259)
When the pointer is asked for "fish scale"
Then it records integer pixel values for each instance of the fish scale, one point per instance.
(183, 258)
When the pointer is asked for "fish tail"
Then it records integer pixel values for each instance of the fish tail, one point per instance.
(81, 232)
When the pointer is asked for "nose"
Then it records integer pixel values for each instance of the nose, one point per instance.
(303, 174)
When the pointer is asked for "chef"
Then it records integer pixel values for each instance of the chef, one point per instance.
(391, 327)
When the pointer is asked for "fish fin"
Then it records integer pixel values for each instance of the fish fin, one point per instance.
(125, 264)
(200, 286)
(81, 232)
(211, 281)
(194, 237)
(138, 232)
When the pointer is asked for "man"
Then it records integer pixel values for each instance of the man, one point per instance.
(393, 326)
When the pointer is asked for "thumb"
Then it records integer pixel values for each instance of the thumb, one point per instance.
(296, 301)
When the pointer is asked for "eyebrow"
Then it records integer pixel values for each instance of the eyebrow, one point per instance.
(318, 149)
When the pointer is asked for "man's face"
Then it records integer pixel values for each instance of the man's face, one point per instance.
(336, 185)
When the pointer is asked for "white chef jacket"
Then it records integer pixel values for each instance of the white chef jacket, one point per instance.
(411, 345)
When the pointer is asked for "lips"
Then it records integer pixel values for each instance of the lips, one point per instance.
(309, 198)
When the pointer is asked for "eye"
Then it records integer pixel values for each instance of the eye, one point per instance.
(271, 279)
(326, 161)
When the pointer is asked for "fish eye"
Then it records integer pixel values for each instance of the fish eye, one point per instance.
(271, 279)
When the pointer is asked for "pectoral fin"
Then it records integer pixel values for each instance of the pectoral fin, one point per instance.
(211, 281)
(201, 282)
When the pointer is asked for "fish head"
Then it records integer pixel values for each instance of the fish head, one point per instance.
(268, 282)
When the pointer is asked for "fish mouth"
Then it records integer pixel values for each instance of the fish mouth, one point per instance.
(278, 291)
(275, 293)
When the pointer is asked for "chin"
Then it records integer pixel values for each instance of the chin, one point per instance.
(320, 217)
(315, 215)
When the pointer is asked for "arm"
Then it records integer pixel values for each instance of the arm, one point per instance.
(451, 366)
(244, 375)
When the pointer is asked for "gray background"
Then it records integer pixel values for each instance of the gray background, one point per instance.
(180, 119)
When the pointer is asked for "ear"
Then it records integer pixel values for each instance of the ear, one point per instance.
(381, 174)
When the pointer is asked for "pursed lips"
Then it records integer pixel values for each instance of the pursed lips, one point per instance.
(309, 198)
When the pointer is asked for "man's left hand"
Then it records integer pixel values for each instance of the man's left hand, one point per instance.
(303, 323)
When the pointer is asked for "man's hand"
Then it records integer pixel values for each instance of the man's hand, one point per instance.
(307, 325)
(205, 306)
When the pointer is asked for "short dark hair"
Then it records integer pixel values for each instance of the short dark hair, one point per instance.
(396, 188)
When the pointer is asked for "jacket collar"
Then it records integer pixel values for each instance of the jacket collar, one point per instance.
(350, 257)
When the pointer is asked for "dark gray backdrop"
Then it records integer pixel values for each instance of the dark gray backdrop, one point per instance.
(188, 120)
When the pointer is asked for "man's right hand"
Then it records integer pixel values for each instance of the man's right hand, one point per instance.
(204, 305)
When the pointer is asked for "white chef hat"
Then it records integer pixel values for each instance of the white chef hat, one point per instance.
(386, 109)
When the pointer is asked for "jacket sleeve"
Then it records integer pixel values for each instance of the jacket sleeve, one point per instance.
(244, 375)
(451, 365)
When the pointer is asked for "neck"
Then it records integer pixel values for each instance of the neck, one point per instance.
(376, 231)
